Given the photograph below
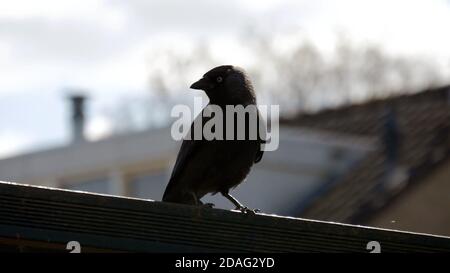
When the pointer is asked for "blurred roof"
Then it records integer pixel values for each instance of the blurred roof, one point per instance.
(422, 122)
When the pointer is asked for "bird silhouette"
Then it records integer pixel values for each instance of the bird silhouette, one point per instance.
(218, 165)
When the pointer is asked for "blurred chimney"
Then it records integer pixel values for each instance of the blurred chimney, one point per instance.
(78, 117)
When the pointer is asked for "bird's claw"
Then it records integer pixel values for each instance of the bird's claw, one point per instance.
(246, 210)
(209, 205)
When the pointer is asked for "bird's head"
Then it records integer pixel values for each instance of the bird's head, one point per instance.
(226, 84)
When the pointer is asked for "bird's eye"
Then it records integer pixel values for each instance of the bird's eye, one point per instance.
(219, 79)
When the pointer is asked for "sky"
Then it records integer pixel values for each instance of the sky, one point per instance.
(50, 47)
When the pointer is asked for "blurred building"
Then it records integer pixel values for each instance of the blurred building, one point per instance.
(139, 165)
(382, 163)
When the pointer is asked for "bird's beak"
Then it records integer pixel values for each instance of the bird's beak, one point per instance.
(202, 84)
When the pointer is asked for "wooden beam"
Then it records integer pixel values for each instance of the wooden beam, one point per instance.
(45, 219)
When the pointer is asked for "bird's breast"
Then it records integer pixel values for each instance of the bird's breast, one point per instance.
(229, 164)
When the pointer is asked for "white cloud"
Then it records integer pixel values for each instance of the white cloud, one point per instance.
(102, 44)
(57, 10)
(403, 26)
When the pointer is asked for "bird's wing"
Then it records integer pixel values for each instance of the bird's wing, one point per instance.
(261, 138)
(188, 149)
(259, 155)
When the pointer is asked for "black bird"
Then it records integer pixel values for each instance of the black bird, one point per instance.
(212, 166)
